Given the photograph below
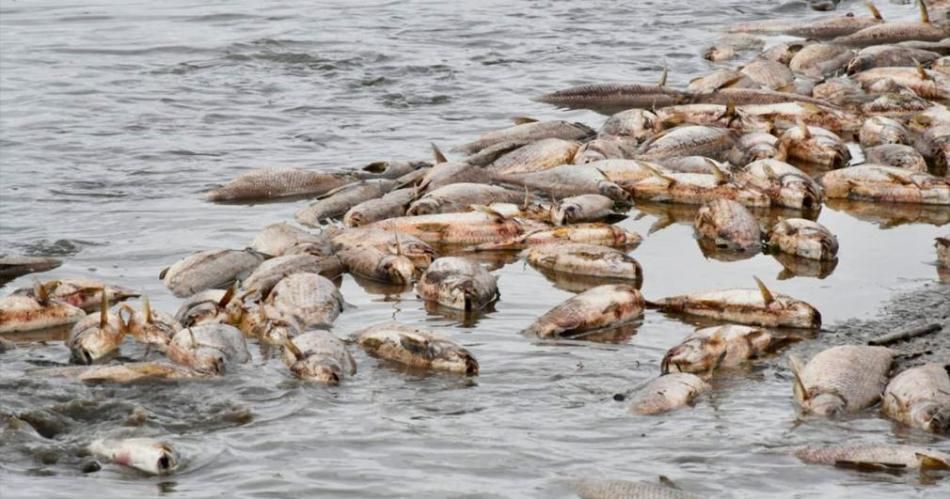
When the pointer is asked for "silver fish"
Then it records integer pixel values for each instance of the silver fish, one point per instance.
(458, 283)
(821, 29)
(601, 307)
(319, 356)
(820, 59)
(841, 379)
(705, 141)
(96, 337)
(876, 457)
(885, 183)
(570, 180)
(668, 392)
(896, 155)
(310, 299)
(536, 156)
(586, 260)
(335, 204)
(593, 233)
(623, 489)
(784, 184)
(79, 292)
(815, 145)
(209, 269)
(275, 183)
(378, 265)
(144, 454)
(459, 196)
(393, 204)
(729, 224)
(727, 346)
(897, 31)
(20, 313)
(209, 348)
(920, 397)
(605, 148)
(416, 347)
(529, 129)
(803, 238)
(635, 124)
(879, 56)
(611, 98)
(269, 273)
(581, 209)
(770, 74)
(755, 146)
(879, 130)
(276, 239)
(391, 242)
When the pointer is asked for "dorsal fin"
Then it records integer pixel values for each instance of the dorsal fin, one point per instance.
(931, 463)
(292, 348)
(147, 309)
(437, 154)
(103, 308)
(664, 480)
(228, 295)
(721, 177)
(524, 206)
(653, 171)
(924, 15)
(767, 295)
(795, 364)
(874, 12)
(523, 120)
(161, 275)
(921, 71)
(663, 77)
(806, 133)
(767, 168)
(398, 244)
(730, 114)
(488, 211)
(42, 294)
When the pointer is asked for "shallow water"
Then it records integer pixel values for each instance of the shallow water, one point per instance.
(115, 116)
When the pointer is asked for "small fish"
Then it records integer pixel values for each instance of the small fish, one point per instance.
(20, 313)
(592, 233)
(459, 196)
(880, 56)
(729, 224)
(582, 209)
(841, 379)
(755, 146)
(634, 124)
(378, 265)
(920, 397)
(690, 140)
(393, 204)
(820, 59)
(390, 242)
(668, 392)
(586, 260)
(269, 273)
(475, 227)
(13, 266)
(623, 489)
(416, 347)
(335, 204)
(151, 327)
(536, 156)
(745, 306)
(319, 356)
(897, 156)
(601, 307)
(279, 238)
(96, 337)
(310, 299)
(79, 292)
(529, 130)
(896, 31)
(876, 457)
(275, 183)
(803, 238)
(784, 184)
(885, 183)
(209, 269)
(144, 454)
(726, 346)
(770, 74)
(570, 180)
(458, 283)
(815, 145)
(611, 98)
(209, 348)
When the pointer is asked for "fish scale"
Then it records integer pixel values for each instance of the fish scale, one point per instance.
(854, 375)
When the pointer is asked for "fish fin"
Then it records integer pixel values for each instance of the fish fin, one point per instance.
(661, 223)
(664, 480)
(730, 112)
(806, 133)
(732, 81)
(103, 308)
(924, 15)
(523, 120)
(769, 170)
(874, 12)
(290, 347)
(921, 71)
(161, 275)
(663, 76)
(767, 295)
(398, 244)
(810, 107)
(228, 295)
(147, 309)
(656, 173)
(721, 176)
(931, 463)
(526, 195)
(41, 292)
(375, 167)
(126, 322)
(488, 211)
(437, 154)
(795, 364)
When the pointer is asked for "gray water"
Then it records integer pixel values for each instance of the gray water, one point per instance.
(114, 117)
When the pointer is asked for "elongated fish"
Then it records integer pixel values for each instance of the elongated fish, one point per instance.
(896, 155)
(635, 124)
(876, 457)
(695, 188)
(589, 488)
(209, 269)
(393, 204)
(841, 379)
(610, 98)
(803, 238)
(770, 74)
(721, 347)
(531, 130)
(601, 307)
(605, 148)
(144, 454)
(80, 292)
(926, 83)
(878, 56)
(475, 227)
(896, 32)
(459, 196)
(28, 313)
(569, 180)
(274, 183)
(690, 140)
(729, 224)
(586, 260)
(820, 29)
(668, 392)
(319, 356)
(920, 397)
(335, 204)
(886, 183)
(13, 266)
(122, 373)
(416, 347)
(592, 233)
(269, 273)
(458, 283)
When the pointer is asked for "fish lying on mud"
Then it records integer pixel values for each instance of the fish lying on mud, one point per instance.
(842, 379)
(803, 238)
(416, 347)
(601, 307)
(722, 347)
(729, 225)
(585, 259)
(144, 454)
(209, 269)
(319, 356)
(876, 457)
(920, 397)
(275, 183)
(458, 283)
(667, 392)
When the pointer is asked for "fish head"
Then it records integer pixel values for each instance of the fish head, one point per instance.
(614, 191)
(452, 358)
(318, 368)
(565, 213)
(400, 269)
(160, 459)
(426, 206)
(207, 359)
(825, 404)
(690, 356)
(799, 191)
(95, 343)
(932, 416)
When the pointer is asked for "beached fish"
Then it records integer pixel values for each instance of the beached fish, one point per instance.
(668, 392)
(925, 83)
(474, 227)
(144, 454)
(729, 224)
(711, 142)
(20, 313)
(886, 183)
(934, 144)
(269, 273)
(592, 233)
(695, 188)
(602, 307)
(206, 306)
(457, 197)
(625, 171)
(536, 156)
(390, 242)
(79, 292)
(13, 266)
(635, 124)
(744, 306)
(688, 164)
(274, 183)
(803, 238)
(842, 91)
(530, 130)
(451, 172)
(896, 155)
(209, 269)
(784, 184)
(820, 59)
(96, 337)
(896, 105)
(335, 204)
(378, 265)
(393, 204)
(209, 348)
(753, 147)
(782, 52)
(586, 260)
(770, 74)
(458, 283)
(605, 148)
(611, 98)
(319, 356)
(841, 379)
(582, 209)
(416, 347)
(896, 32)
(152, 327)
(920, 397)
(820, 29)
(570, 180)
(276, 239)
(880, 56)
(743, 97)
(310, 299)
(721, 347)
(816, 146)
(876, 457)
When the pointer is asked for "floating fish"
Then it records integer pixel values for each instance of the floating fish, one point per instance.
(729, 224)
(586, 260)
(570, 180)
(319, 356)
(876, 457)
(896, 31)
(690, 140)
(458, 283)
(582, 209)
(784, 184)
(393, 204)
(310, 299)
(634, 124)
(820, 59)
(144, 454)
(78, 292)
(457, 197)
(695, 188)
(151, 327)
(13, 266)
(121, 373)
(755, 146)
(841, 379)
(610, 98)
(536, 156)
(602, 307)
(475, 227)
(527, 129)
(920, 397)
(668, 392)
(279, 238)
(97, 336)
(205, 307)
(209, 269)
(896, 155)
(209, 348)
(417, 348)
(623, 489)
(275, 183)
(803, 238)
(269, 273)
(721, 347)
(771, 74)
(592, 233)
(394, 243)
(378, 265)
(885, 183)
(335, 204)
(20, 313)
(815, 145)
(882, 56)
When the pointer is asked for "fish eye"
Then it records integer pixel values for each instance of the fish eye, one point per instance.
(164, 462)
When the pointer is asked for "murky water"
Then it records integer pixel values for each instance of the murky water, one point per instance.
(115, 116)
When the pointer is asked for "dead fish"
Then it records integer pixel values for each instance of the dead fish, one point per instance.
(390, 242)
(729, 46)
(393, 204)
(276, 239)
(335, 204)
(458, 197)
(943, 251)
(879, 56)
(390, 169)
(745, 306)
(784, 184)
(269, 273)
(726, 346)
(729, 224)
(820, 59)
(601, 307)
(920, 397)
(896, 105)
(586, 260)
(13, 266)
(20, 313)
(458, 283)
(782, 52)
(475, 227)
(79, 292)
(416, 347)
(820, 29)
(712, 115)
(770, 74)
(925, 83)
(209, 269)
(570, 180)
(533, 211)
(148, 326)
(876, 457)
(623, 172)
(887, 184)
(611, 98)
(310, 299)
(896, 155)
(209, 348)
(742, 97)
(205, 307)
(275, 183)
(378, 265)
(668, 392)
(720, 78)
(635, 124)
(697, 140)
(803, 238)
(592, 233)
(815, 145)
(790, 113)
(605, 148)
(96, 337)
(449, 172)
(623, 489)
(529, 130)
(934, 143)
(121, 373)
(841, 379)
(144, 454)
(843, 92)
(755, 146)
(582, 209)
(695, 188)
(536, 156)
(879, 130)
(896, 31)
(319, 356)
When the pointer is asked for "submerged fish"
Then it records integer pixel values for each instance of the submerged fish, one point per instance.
(530, 130)
(209, 269)
(416, 347)
(729, 224)
(668, 392)
(586, 260)
(784, 184)
(319, 356)
(920, 397)
(841, 379)
(623, 489)
(122, 373)
(592, 233)
(209, 348)
(745, 306)
(335, 204)
(144, 454)
(310, 299)
(602, 307)
(458, 283)
(803, 238)
(28, 313)
(876, 457)
(273, 183)
(96, 337)
(610, 98)
(718, 347)
(885, 183)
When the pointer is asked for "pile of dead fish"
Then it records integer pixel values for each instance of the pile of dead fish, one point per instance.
(856, 111)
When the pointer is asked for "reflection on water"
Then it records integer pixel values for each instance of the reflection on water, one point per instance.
(889, 215)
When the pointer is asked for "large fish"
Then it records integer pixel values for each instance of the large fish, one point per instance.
(416, 347)
(459, 196)
(310, 299)
(570, 180)
(896, 155)
(393, 204)
(691, 140)
(319, 356)
(885, 183)
(96, 337)
(771, 74)
(582, 209)
(28, 313)
(78, 292)
(529, 130)
(785, 113)
(592, 233)
(279, 238)
(755, 146)
(718, 347)
(634, 124)
(458, 283)
(209, 348)
(803, 238)
(378, 265)
(13, 266)
(815, 145)
(784, 184)
(274, 183)
(925, 83)
(820, 59)
(879, 56)
(602, 307)
(209, 269)
(729, 224)
(610, 98)
(605, 148)
(668, 392)
(695, 188)
(475, 227)
(876, 457)
(920, 397)
(390, 169)
(591, 260)
(841, 379)
(820, 29)
(745, 306)
(879, 130)
(897, 31)
(391, 242)
(205, 307)
(269, 273)
(335, 204)
(144, 454)
(536, 156)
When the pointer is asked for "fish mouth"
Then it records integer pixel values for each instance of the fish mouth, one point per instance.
(165, 463)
